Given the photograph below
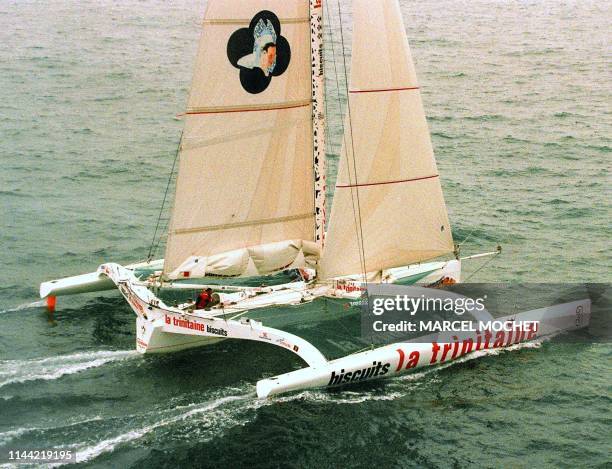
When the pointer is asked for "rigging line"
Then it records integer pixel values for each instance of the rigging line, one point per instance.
(334, 148)
(487, 262)
(337, 89)
(467, 237)
(473, 230)
(161, 210)
(161, 236)
(163, 233)
(341, 117)
(349, 334)
(358, 220)
(350, 120)
(356, 208)
(346, 305)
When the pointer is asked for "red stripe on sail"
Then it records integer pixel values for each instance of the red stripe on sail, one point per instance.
(388, 182)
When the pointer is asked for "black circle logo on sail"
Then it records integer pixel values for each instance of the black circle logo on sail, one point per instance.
(259, 52)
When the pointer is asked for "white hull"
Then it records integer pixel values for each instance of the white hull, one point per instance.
(154, 340)
(76, 284)
(400, 358)
(91, 282)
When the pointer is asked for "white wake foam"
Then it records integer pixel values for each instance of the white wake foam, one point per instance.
(5, 437)
(35, 304)
(21, 371)
(10, 435)
(88, 452)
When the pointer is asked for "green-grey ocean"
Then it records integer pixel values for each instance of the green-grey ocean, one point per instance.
(517, 95)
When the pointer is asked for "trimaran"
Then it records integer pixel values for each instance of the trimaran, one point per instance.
(250, 191)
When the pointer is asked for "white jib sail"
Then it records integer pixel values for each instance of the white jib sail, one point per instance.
(388, 208)
(244, 200)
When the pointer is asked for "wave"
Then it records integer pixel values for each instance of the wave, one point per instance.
(216, 414)
(602, 148)
(221, 412)
(474, 233)
(340, 397)
(5, 437)
(574, 212)
(35, 304)
(523, 172)
(485, 117)
(10, 435)
(15, 193)
(442, 135)
(511, 139)
(565, 114)
(88, 452)
(21, 371)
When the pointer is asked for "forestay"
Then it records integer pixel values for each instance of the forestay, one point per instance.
(388, 207)
(244, 200)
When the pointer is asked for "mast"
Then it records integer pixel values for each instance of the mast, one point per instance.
(388, 205)
(244, 200)
(318, 118)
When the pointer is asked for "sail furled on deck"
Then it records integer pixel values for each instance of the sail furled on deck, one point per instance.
(388, 208)
(244, 194)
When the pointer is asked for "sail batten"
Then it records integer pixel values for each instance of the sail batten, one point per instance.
(246, 21)
(266, 221)
(249, 108)
(388, 209)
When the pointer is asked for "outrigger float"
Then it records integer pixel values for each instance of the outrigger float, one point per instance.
(250, 197)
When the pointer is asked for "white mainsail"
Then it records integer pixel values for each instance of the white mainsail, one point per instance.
(388, 208)
(244, 200)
